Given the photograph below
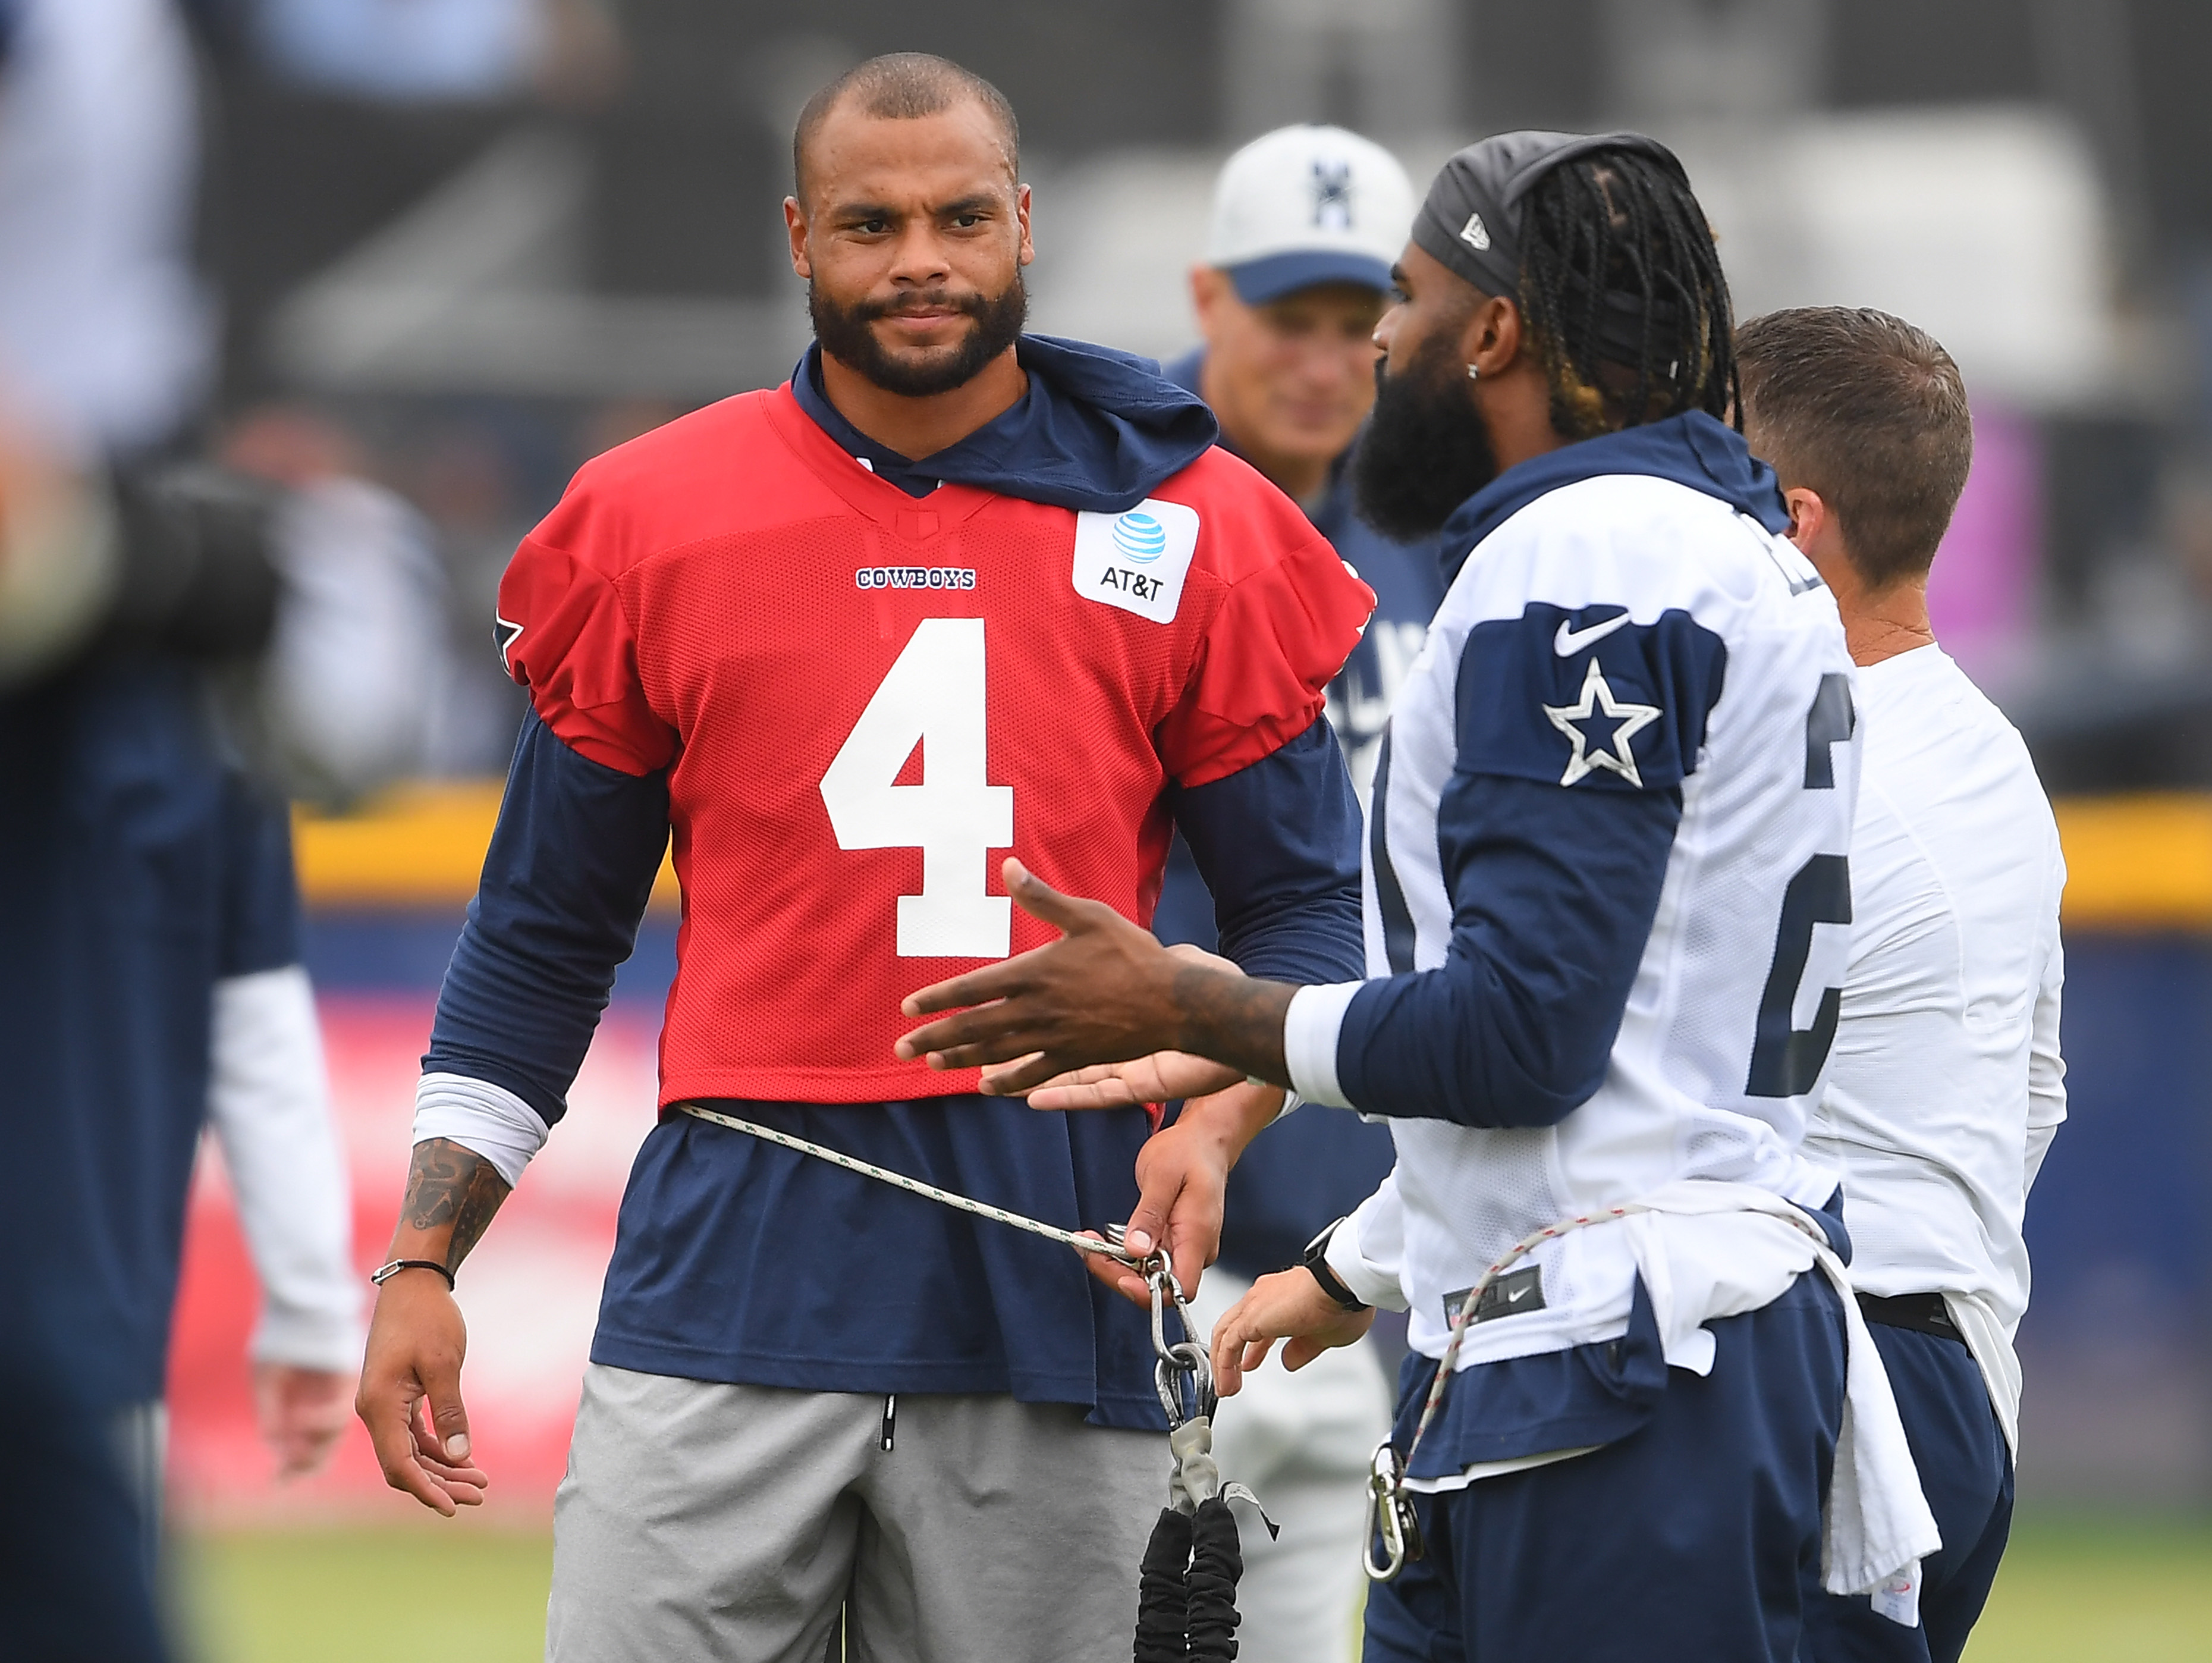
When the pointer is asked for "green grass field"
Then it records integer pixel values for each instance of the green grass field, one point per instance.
(2072, 1591)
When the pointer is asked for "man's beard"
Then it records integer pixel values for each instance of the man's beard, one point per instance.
(845, 336)
(1424, 450)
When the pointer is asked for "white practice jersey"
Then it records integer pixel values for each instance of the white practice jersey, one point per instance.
(1628, 633)
(1947, 1084)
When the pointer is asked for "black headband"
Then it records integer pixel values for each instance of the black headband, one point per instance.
(1472, 219)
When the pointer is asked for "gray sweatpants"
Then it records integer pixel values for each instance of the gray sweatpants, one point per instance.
(731, 1523)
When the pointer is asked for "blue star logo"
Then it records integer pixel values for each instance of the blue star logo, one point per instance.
(1598, 727)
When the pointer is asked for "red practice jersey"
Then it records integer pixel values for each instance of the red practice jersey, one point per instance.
(865, 701)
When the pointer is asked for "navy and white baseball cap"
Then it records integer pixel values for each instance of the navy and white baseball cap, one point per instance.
(1305, 205)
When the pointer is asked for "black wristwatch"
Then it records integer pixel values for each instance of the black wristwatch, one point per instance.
(1315, 1259)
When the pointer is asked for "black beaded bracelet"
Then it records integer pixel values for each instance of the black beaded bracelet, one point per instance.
(384, 1273)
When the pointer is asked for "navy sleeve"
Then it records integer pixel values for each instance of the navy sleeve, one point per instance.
(565, 882)
(1552, 838)
(1278, 843)
(1185, 912)
(260, 890)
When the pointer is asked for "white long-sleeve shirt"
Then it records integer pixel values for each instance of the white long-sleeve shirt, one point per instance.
(1946, 1085)
(269, 1101)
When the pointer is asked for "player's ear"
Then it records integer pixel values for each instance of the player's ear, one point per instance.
(1808, 516)
(1022, 219)
(1490, 339)
(794, 225)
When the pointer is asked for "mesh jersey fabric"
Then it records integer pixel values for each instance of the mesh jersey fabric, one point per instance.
(724, 597)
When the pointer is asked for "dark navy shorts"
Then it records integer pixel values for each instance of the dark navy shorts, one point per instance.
(1692, 1539)
(1965, 1472)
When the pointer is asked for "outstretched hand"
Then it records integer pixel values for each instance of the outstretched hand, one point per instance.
(1161, 1077)
(1286, 1306)
(1106, 992)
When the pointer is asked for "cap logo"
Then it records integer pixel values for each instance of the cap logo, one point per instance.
(1474, 234)
(1332, 194)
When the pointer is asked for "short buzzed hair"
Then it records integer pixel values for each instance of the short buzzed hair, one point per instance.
(903, 87)
(1870, 413)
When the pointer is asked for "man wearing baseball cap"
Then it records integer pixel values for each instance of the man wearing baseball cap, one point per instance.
(1306, 223)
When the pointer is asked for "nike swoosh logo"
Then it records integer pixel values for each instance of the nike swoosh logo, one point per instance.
(1516, 1296)
(1569, 640)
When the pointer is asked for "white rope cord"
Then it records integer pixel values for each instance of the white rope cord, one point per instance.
(1464, 1317)
(1389, 1516)
(916, 1186)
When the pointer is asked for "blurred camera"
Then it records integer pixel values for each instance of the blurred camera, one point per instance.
(175, 558)
(198, 568)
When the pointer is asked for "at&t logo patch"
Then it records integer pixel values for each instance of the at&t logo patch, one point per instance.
(1136, 560)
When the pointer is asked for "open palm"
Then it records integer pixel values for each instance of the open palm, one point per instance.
(1160, 1078)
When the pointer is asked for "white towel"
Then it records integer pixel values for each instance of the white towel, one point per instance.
(1708, 1250)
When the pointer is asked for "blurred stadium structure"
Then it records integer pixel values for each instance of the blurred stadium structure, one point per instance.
(490, 237)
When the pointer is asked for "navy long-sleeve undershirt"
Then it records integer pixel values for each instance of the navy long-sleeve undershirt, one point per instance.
(565, 882)
(1278, 843)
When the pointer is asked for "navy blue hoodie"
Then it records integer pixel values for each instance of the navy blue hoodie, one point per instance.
(1095, 431)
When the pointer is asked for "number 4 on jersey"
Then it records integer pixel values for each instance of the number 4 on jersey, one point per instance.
(934, 697)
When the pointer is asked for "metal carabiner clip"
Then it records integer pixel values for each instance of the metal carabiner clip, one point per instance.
(1166, 1289)
(1173, 1359)
(1389, 1516)
(1186, 1357)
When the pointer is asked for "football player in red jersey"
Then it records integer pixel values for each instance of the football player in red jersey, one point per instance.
(953, 591)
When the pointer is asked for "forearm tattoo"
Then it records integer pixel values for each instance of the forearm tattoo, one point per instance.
(1235, 1020)
(447, 1185)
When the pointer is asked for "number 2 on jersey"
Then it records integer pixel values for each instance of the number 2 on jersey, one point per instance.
(1786, 1060)
(932, 696)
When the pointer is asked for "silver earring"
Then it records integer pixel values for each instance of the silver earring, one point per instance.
(1474, 374)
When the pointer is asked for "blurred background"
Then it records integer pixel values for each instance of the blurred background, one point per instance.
(456, 246)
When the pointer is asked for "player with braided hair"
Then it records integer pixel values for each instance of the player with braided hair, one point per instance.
(1621, 287)
(1605, 893)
